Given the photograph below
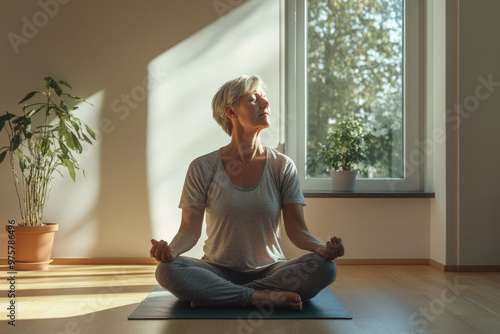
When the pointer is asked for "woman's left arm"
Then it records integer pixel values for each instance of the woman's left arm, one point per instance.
(298, 233)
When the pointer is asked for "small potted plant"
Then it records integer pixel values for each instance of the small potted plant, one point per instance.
(346, 145)
(41, 141)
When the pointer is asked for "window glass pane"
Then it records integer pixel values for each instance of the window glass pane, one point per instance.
(355, 68)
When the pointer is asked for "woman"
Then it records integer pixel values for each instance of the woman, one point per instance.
(243, 188)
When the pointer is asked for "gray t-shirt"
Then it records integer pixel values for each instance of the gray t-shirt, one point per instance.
(242, 223)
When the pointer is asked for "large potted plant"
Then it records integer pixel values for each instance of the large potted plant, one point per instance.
(41, 141)
(346, 145)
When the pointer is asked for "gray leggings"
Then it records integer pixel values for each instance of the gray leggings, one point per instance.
(212, 285)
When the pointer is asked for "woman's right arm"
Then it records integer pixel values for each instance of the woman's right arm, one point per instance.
(185, 239)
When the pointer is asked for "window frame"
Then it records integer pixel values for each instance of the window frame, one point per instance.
(295, 28)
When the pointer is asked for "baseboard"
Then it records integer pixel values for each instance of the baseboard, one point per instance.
(148, 260)
(340, 261)
(464, 268)
(98, 260)
(437, 265)
(478, 268)
(105, 260)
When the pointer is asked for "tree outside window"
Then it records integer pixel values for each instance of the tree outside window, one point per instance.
(355, 68)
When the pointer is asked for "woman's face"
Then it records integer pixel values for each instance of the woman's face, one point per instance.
(253, 111)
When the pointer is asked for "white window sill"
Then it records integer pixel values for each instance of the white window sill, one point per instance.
(368, 194)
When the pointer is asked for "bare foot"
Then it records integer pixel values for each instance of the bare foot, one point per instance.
(280, 299)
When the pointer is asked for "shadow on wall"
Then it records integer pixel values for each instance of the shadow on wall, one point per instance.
(152, 107)
(184, 80)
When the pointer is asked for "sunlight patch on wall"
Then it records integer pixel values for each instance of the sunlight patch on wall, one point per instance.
(182, 82)
(72, 204)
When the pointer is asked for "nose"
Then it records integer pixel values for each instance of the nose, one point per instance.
(264, 103)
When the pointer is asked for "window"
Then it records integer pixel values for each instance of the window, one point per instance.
(354, 58)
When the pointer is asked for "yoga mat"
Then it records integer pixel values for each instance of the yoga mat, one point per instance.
(161, 304)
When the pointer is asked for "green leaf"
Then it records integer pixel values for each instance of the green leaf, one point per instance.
(63, 147)
(28, 96)
(45, 146)
(15, 142)
(47, 82)
(63, 106)
(68, 138)
(76, 98)
(71, 168)
(19, 119)
(55, 86)
(87, 139)
(64, 83)
(22, 164)
(2, 156)
(59, 111)
(90, 132)
(75, 124)
(77, 143)
(8, 116)
(23, 125)
(40, 108)
(31, 113)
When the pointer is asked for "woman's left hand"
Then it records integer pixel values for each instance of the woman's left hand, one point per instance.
(332, 250)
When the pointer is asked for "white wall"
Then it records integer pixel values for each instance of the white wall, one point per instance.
(479, 137)
(435, 64)
(462, 56)
(179, 107)
(369, 228)
(151, 68)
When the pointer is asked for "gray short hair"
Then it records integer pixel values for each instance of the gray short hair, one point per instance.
(229, 95)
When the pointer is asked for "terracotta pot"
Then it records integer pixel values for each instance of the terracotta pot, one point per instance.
(33, 246)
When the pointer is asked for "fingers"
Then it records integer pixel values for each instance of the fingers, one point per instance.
(329, 249)
(159, 250)
(162, 255)
(341, 250)
(154, 244)
(337, 248)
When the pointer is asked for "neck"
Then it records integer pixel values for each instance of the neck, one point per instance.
(245, 147)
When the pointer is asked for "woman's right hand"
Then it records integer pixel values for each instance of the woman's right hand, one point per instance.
(161, 251)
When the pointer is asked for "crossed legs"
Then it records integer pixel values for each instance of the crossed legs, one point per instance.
(285, 284)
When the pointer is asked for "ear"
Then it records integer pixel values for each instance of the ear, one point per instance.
(230, 112)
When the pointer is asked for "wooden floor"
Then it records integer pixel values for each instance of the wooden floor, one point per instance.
(384, 299)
